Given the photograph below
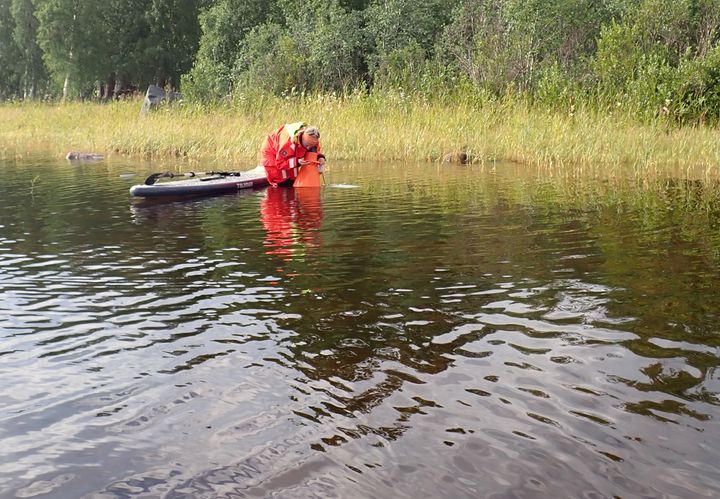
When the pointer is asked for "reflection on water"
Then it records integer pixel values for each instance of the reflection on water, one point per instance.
(449, 332)
(292, 219)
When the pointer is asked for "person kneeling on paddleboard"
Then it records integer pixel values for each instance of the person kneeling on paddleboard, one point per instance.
(283, 152)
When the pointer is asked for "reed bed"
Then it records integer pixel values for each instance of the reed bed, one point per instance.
(359, 127)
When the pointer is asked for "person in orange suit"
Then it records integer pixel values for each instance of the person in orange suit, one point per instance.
(284, 150)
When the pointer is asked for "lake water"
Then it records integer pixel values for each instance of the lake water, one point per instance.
(405, 331)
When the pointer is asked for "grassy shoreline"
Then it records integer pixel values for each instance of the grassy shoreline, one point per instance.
(357, 128)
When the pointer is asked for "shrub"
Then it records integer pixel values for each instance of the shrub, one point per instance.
(699, 89)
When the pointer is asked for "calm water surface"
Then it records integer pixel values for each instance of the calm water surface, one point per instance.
(405, 331)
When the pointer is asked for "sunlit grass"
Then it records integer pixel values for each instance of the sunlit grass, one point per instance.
(377, 127)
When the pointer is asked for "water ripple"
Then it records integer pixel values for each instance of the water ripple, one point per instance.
(430, 331)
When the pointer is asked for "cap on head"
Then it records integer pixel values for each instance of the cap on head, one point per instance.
(311, 136)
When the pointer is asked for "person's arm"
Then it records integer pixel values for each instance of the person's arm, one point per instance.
(285, 159)
(320, 156)
(320, 159)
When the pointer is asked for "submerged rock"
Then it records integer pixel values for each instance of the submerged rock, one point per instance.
(84, 156)
(457, 157)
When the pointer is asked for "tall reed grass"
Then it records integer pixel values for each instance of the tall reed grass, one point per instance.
(375, 127)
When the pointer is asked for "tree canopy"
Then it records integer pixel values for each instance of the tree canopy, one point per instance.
(654, 57)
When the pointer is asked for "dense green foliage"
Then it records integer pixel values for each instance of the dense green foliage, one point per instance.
(655, 59)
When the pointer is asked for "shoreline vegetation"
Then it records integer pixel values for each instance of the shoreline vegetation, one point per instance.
(372, 127)
(581, 89)
(583, 158)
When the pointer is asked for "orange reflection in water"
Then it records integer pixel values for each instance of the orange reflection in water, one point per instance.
(292, 220)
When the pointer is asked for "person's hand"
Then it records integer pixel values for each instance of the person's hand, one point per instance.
(302, 161)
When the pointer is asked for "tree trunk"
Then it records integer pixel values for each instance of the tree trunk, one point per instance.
(66, 87)
(110, 87)
(118, 85)
(25, 86)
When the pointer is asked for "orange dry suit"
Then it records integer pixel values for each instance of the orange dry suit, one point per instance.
(281, 151)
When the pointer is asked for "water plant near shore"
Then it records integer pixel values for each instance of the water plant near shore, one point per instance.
(358, 126)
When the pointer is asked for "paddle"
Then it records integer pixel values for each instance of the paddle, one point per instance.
(157, 176)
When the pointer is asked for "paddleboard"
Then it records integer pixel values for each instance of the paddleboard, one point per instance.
(203, 186)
